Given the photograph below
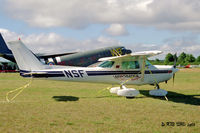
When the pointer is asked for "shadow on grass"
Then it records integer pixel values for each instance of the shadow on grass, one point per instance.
(113, 96)
(176, 97)
(65, 98)
(107, 96)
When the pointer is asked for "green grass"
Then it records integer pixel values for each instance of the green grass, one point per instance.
(56, 106)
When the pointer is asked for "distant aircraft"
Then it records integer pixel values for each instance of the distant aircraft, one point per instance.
(188, 66)
(191, 66)
(123, 69)
(83, 59)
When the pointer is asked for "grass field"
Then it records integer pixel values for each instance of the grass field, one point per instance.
(56, 106)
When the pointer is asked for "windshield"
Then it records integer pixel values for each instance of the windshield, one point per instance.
(147, 63)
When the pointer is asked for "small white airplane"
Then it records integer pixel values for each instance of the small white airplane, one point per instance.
(124, 69)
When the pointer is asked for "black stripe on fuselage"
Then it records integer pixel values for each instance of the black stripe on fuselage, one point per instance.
(47, 74)
(101, 73)
(98, 73)
(89, 73)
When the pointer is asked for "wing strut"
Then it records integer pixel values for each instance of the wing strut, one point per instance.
(143, 67)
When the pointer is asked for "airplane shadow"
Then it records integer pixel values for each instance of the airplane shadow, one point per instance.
(112, 96)
(101, 96)
(65, 98)
(176, 97)
(172, 96)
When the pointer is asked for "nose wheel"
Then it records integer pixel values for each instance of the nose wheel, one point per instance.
(158, 92)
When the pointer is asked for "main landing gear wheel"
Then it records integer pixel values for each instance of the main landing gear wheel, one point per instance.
(126, 92)
(114, 90)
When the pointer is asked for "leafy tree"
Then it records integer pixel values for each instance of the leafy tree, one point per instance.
(169, 58)
(157, 60)
(181, 58)
(190, 58)
(198, 59)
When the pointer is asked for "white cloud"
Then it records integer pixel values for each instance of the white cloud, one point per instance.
(9, 35)
(164, 14)
(188, 44)
(54, 43)
(116, 30)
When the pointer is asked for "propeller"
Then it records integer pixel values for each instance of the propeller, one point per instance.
(173, 78)
(143, 68)
(175, 60)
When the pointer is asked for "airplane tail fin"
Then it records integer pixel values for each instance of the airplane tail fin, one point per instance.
(3, 47)
(25, 59)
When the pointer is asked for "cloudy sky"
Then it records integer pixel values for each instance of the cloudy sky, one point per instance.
(56, 26)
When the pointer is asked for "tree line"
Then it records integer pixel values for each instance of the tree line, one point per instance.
(183, 59)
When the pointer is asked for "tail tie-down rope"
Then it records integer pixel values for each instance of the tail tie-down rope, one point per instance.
(18, 90)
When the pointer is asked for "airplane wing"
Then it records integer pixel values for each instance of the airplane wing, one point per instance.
(136, 54)
(53, 55)
(147, 53)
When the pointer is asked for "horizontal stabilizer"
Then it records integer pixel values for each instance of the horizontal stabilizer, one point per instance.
(31, 73)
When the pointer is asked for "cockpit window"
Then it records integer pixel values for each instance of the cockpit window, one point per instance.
(130, 65)
(147, 63)
(107, 64)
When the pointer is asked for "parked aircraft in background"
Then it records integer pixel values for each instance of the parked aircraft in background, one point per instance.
(83, 59)
(123, 69)
(191, 66)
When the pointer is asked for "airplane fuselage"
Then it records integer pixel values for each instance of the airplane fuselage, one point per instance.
(102, 75)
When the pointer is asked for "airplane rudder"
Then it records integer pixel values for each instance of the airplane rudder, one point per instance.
(25, 58)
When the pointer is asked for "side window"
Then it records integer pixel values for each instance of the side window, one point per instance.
(137, 66)
(107, 64)
(130, 65)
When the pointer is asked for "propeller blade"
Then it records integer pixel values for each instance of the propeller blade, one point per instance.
(175, 59)
(143, 68)
(173, 78)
